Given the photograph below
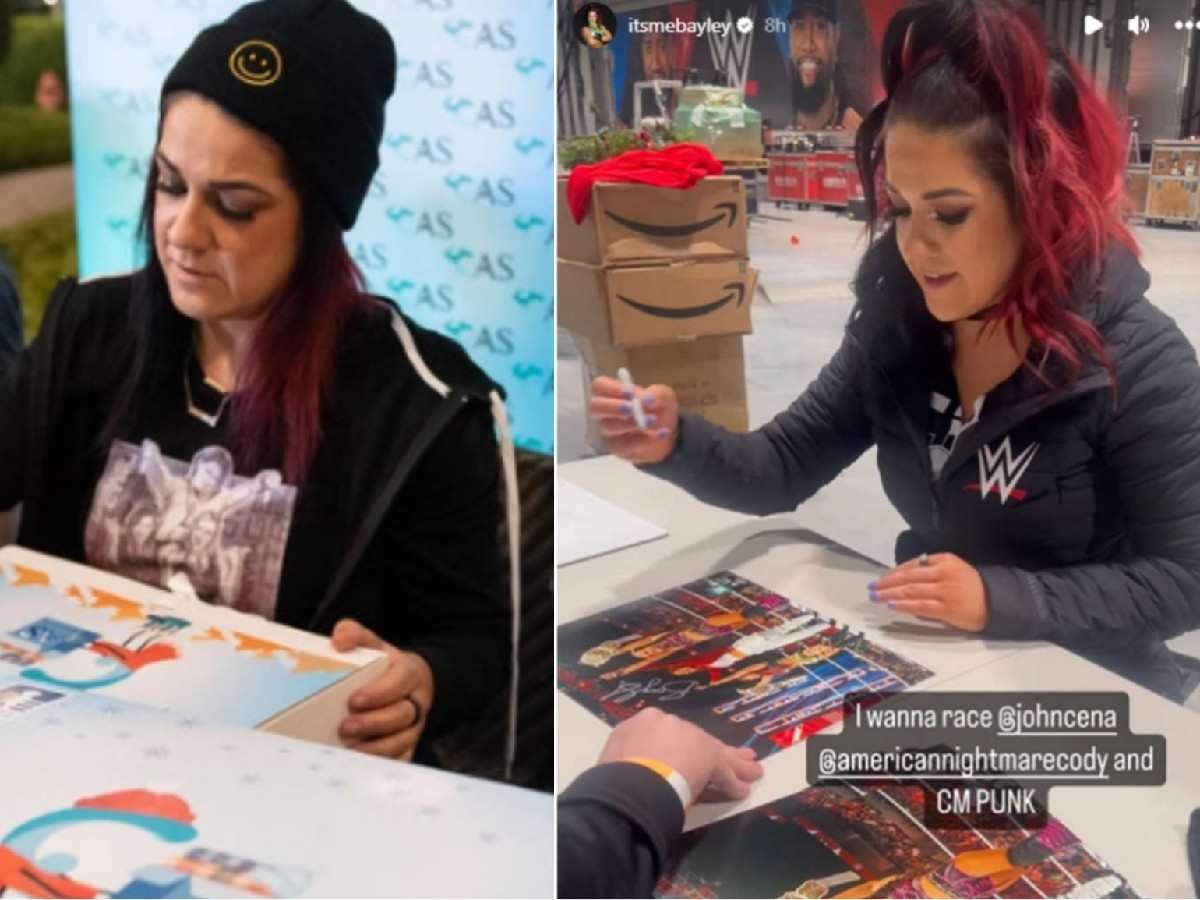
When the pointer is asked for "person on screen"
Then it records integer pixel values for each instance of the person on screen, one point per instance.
(656, 56)
(291, 445)
(814, 38)
(619, 820)
(1036, 418)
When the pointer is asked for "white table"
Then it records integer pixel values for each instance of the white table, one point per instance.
(1140, 831)
(315, 821)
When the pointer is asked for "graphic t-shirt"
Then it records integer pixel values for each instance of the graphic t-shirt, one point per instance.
(947, 423)
(154, 517)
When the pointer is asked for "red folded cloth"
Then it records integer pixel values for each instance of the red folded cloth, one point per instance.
(676, 166)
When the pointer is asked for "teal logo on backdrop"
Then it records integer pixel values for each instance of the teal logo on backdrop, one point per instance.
(458, 225)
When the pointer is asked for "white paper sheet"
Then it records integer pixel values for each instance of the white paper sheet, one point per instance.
(129, 801)
(588, 526)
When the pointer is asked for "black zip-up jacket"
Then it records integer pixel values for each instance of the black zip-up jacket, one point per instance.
(1081, 514)
(396, 525)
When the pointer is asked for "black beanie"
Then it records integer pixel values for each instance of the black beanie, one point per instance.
(314, 75)
(826, 8)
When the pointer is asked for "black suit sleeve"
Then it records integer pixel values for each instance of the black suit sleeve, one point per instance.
(616, 825)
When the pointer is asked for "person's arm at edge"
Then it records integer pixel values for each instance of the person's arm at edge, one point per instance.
(616, 824)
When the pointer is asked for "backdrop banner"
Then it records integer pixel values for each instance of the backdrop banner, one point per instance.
(458, 224)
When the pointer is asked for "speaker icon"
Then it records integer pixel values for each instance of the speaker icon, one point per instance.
(1139, 25)
(1091, 25)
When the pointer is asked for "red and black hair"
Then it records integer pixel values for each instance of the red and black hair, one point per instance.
(985, 69)
(276, 408)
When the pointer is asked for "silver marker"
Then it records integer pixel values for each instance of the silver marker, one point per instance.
(639, 414)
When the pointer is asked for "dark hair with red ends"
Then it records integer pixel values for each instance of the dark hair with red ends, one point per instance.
(275, 412)
(985, 70)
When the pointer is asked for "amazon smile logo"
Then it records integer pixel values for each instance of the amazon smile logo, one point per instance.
(735, 288)
(728, 210)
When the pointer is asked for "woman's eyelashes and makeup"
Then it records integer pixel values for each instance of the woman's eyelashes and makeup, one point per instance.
(949, 214)
(176, 188)
(220, 196)
(946, 217)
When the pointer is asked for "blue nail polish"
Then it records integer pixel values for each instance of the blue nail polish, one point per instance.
(891, 604)
(663, 432)
(627, 393)
(647, 402)
(626, 409)
(651, 421)
(873, 586)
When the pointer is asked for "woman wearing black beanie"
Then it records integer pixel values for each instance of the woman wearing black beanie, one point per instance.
(289, 444)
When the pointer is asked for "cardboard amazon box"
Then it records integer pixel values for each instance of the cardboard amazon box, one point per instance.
(632, 223)
(655, 303)
(708, 375)
(71, 627)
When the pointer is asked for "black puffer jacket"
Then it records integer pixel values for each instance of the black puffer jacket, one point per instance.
(1082, 514)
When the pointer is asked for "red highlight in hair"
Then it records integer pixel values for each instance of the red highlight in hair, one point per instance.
(1067, 183)
(276, 409)
(1065, 152)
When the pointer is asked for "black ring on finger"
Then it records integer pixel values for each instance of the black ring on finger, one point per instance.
(417, 709)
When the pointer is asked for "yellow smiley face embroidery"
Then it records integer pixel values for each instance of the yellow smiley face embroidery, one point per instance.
(256, 63)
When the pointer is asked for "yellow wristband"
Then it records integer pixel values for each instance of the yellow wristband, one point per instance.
(677, 782)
